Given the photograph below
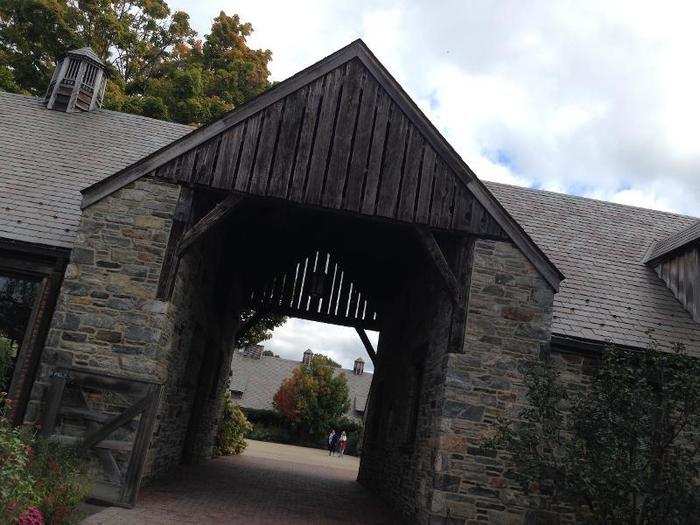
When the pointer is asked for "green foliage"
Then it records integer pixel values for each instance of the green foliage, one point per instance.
(35, 473)
(233, 428)
(626, 448)
(260, 331)
(158, 66)
(313, 398)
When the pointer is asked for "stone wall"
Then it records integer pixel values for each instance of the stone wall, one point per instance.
(508, 322)
(399, 439)
(109, 320)
(196, 337)
(107, 317)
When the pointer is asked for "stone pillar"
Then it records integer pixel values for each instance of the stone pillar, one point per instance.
(107, 317)
(508, 321)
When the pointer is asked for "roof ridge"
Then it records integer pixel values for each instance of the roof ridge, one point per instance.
(240, 354)
(105, 110)
(593, 199)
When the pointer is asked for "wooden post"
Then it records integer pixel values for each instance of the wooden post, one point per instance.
(215, 217)
(432, 249)
(368, 344)
(53, 404)
(181, 221)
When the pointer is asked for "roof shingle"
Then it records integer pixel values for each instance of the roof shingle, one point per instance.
(47, 157)
(608, 293)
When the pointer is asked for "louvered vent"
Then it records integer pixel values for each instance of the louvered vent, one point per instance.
(78, 83)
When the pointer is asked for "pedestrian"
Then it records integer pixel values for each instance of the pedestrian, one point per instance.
(342, 443)
(334, 441)
(331, 442)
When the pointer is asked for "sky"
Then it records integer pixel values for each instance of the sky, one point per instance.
(599, 99)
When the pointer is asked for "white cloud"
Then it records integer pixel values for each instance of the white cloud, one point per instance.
(339, 343)
(595, 98)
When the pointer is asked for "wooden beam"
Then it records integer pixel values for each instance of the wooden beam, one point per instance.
(215, 217)
(432, 249)
(181, 221)
(113, 424)
(368, 344)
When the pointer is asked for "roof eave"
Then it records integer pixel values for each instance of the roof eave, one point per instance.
(356, 49)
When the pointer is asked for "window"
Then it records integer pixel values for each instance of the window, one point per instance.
(16, 302)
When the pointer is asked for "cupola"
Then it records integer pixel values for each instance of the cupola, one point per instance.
(359, 367)
(308, 355)
(78, 82)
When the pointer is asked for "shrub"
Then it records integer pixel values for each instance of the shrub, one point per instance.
(233, 428)
(40, 481)
(623, 451)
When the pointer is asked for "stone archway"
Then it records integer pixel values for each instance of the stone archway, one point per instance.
(335, 162)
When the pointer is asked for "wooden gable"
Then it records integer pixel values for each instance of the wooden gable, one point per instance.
(341, 135)
(338, 142)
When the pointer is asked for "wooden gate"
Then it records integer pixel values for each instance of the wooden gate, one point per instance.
(110, 420)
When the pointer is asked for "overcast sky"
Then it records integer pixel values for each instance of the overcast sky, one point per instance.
(600, 99)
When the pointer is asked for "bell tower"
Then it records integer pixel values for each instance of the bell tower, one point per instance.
(78, 82)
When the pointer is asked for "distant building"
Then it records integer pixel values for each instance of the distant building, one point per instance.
(257, 377)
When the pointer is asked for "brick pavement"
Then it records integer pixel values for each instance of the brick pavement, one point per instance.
(268, 483)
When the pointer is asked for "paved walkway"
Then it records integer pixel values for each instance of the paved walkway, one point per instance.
(268, 483)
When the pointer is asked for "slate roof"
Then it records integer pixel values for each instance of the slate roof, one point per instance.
(47, 157)
(259, 380)
(608, 293)
(673, 242)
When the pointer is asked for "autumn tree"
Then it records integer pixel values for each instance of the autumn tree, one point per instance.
(313, 397)
(158, 65)
(625, 450)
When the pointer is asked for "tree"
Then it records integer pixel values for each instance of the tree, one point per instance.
(259, 331)
(158, 66)
(313, 397)
(626, 449)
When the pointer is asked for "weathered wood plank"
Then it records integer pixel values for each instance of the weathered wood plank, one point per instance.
(381, 126)
(392, 165)
(305, 146)
(410, 181)
(203, 170)
(134, 473)
(250, 144)
(114, 423)
(54, 395)
(354, 186)
(229, 151)
(448, 204)
(266, 148)
(324, 137)
(425, 190)
(341, 148)
(286, 149)
(440, 192)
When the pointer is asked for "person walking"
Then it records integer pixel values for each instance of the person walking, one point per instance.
(331, 442)
(342, 443)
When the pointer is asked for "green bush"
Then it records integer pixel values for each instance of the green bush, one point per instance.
(38, 477)
(270, 426)
(233, 428)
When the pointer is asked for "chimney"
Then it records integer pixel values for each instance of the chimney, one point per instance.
(78, 82)
(359, 367)
(253, 351)
(308, 355)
